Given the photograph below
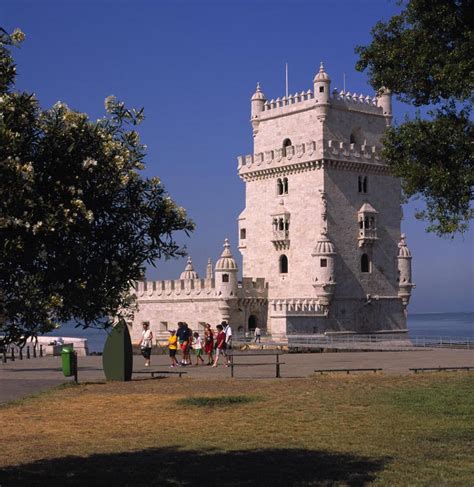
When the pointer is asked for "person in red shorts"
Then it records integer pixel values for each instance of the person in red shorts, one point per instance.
(209, 344)
(220, 347)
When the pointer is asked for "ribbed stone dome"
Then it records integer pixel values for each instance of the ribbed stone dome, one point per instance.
(258, 95)
(324, 246)
(403, 250)
(226, 261)
(189, 272)
(322, 75)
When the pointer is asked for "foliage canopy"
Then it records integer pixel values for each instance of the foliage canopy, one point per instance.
(424, 55)
(77, 219)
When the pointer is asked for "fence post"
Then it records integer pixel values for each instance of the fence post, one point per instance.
(34, 350)
(13, 353)
(41, 350)
(278, 366)
(232, 365)
(21, 353)
(28, 351)
(75, 367)
(4, 356)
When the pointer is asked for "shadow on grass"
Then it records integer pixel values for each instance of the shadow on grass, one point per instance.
(173, 466)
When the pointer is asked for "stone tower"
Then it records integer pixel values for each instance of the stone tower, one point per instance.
(321, 223)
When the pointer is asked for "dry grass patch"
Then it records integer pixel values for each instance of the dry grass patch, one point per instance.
(327, 430)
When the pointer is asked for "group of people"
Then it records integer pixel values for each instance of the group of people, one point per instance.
(213, 345)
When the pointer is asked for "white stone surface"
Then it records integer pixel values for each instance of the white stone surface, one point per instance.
(315, 176)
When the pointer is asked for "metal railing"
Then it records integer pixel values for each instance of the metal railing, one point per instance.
(14, 352)
(359, 341)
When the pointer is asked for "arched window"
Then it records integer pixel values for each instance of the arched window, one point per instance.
(225, 277)
(285, 185)
(364, 263)
(364, 185)
(283, 264)
(286, 143)
(360, 184)
(279, 186)
(352, 139)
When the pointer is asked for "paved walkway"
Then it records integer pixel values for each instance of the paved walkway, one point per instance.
(26, 377)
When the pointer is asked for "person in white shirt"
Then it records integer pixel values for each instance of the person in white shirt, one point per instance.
(228, 342)
(197, 347)
(146, 343)
(258, 334)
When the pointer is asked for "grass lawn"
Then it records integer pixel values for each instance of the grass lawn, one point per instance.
(327, 430)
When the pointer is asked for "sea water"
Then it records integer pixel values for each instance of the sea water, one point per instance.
(450, 325)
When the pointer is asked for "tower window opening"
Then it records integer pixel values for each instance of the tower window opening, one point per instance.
(283, 264)
(225, 277)
(321, 89)
(279, 186)
(243, 233)
(364, 263)
(285, 185)
(362, 184)
(286, 143)
(324, 262)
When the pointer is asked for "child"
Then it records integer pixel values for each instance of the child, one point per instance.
(197, 345)
(173, 347)
(146, 343)
(220, 343)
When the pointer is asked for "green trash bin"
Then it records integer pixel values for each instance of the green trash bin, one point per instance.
(67, 359)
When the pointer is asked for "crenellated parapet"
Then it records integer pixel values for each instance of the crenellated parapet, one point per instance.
(296, 307)
(305, 100)
(175, 288)
(302, 156)
(195, 289)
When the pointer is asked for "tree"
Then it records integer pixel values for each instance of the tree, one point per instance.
(424, 55)
(77, 220)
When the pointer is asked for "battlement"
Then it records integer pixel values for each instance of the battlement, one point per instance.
(305, 101)
(309, 151)
(176, 287)
(192, 288)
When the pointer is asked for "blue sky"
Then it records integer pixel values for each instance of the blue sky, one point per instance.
(194, 66)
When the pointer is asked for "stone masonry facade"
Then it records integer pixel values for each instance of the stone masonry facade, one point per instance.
(320, 232)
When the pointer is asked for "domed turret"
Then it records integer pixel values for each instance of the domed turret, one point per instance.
(189, 272)
(404, 271)
(322, 89)
(384, 100)
(257, 103)
(324, 280)
(226, 273)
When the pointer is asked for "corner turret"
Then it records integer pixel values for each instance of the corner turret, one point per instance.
(404, 271)
(226, 273)
(384, 100)
(257, 104)
(322, 91)
(324, 280)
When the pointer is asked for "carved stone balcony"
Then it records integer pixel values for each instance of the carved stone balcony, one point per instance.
(281, 239)
(367, 236)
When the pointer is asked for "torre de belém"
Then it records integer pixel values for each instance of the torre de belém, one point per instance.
(320, 233)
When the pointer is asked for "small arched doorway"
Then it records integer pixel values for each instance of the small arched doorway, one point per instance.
(252, 322)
